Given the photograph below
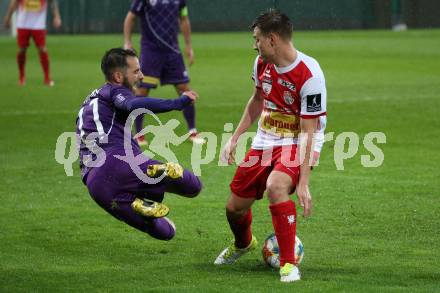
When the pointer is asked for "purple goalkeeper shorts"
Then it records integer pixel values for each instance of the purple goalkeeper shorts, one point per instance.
(114, 186)
(163, 67)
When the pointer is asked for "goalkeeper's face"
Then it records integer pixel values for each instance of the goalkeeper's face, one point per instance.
(133, 74)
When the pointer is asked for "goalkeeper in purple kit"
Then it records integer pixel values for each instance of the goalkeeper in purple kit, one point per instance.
(160, 57)
(112, 182)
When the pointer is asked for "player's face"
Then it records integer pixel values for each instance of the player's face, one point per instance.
(263, 44)
(133, 74)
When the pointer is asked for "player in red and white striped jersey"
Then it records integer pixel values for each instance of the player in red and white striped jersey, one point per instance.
(290, 101)
(31, 22)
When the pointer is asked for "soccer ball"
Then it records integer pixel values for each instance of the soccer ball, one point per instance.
(271, 251)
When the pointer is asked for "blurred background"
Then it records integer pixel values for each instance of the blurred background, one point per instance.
(106, 16)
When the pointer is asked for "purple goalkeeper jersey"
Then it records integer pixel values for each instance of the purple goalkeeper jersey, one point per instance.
(102, 118)
(101, 126)
(159, 23)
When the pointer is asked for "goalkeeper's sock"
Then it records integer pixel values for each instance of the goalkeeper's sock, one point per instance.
(284, 224)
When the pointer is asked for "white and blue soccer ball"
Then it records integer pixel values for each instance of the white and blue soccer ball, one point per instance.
(271, 250)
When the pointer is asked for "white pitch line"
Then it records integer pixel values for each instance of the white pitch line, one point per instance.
(377, 98)
(25, 113)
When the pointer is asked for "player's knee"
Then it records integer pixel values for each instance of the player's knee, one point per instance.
(234, 211)
(166, 237)
(180, 88)
(161, 229)
(42, 49)
(194, 188)
(22, 49)
(276, 191)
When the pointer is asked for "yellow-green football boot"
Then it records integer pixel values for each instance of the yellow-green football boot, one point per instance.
(231, 253)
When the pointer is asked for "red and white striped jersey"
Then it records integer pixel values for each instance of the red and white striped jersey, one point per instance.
(31, 14)
(290, 93)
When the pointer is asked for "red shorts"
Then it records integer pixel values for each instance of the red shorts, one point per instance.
(251, 176)
(23, 36)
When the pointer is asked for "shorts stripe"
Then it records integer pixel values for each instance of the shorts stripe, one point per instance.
(151, 80)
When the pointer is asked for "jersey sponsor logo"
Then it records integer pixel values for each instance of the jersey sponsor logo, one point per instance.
(287, 84)
(314, 103)
(279, 124)
(267, 86)
(288, 98)
(153, 2)
(32, 5)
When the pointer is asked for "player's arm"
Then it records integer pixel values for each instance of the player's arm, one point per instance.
(56, 13)
(308, 128)
(13, 4)
(185, 27)
(313, 105)
(128, 29)
(251, 113)
(155, 105)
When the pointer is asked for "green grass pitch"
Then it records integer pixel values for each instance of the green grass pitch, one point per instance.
(372, 229)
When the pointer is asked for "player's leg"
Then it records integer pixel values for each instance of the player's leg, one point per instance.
(177, 180)
(151, 64)
(189, 185)
(109, 188)
(280, 183)
(122, 207)
(189, 113)
(23, 36)
(116, 188)
(239, 216)
(175, 73)
(247, 185)
(160, 227)
(140, 91)
(39, 37)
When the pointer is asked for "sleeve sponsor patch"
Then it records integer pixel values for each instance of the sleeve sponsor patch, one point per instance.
(120, 98)
(314, 103)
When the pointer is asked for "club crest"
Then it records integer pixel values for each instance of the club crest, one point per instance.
(267, 86)
(288, 98)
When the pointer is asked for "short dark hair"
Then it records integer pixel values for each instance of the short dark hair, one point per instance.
(113, 59)
(273, 21)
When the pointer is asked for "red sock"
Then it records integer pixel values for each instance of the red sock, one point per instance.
(284, 224)
(44, 60)
(241, 227)
(21, 61)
